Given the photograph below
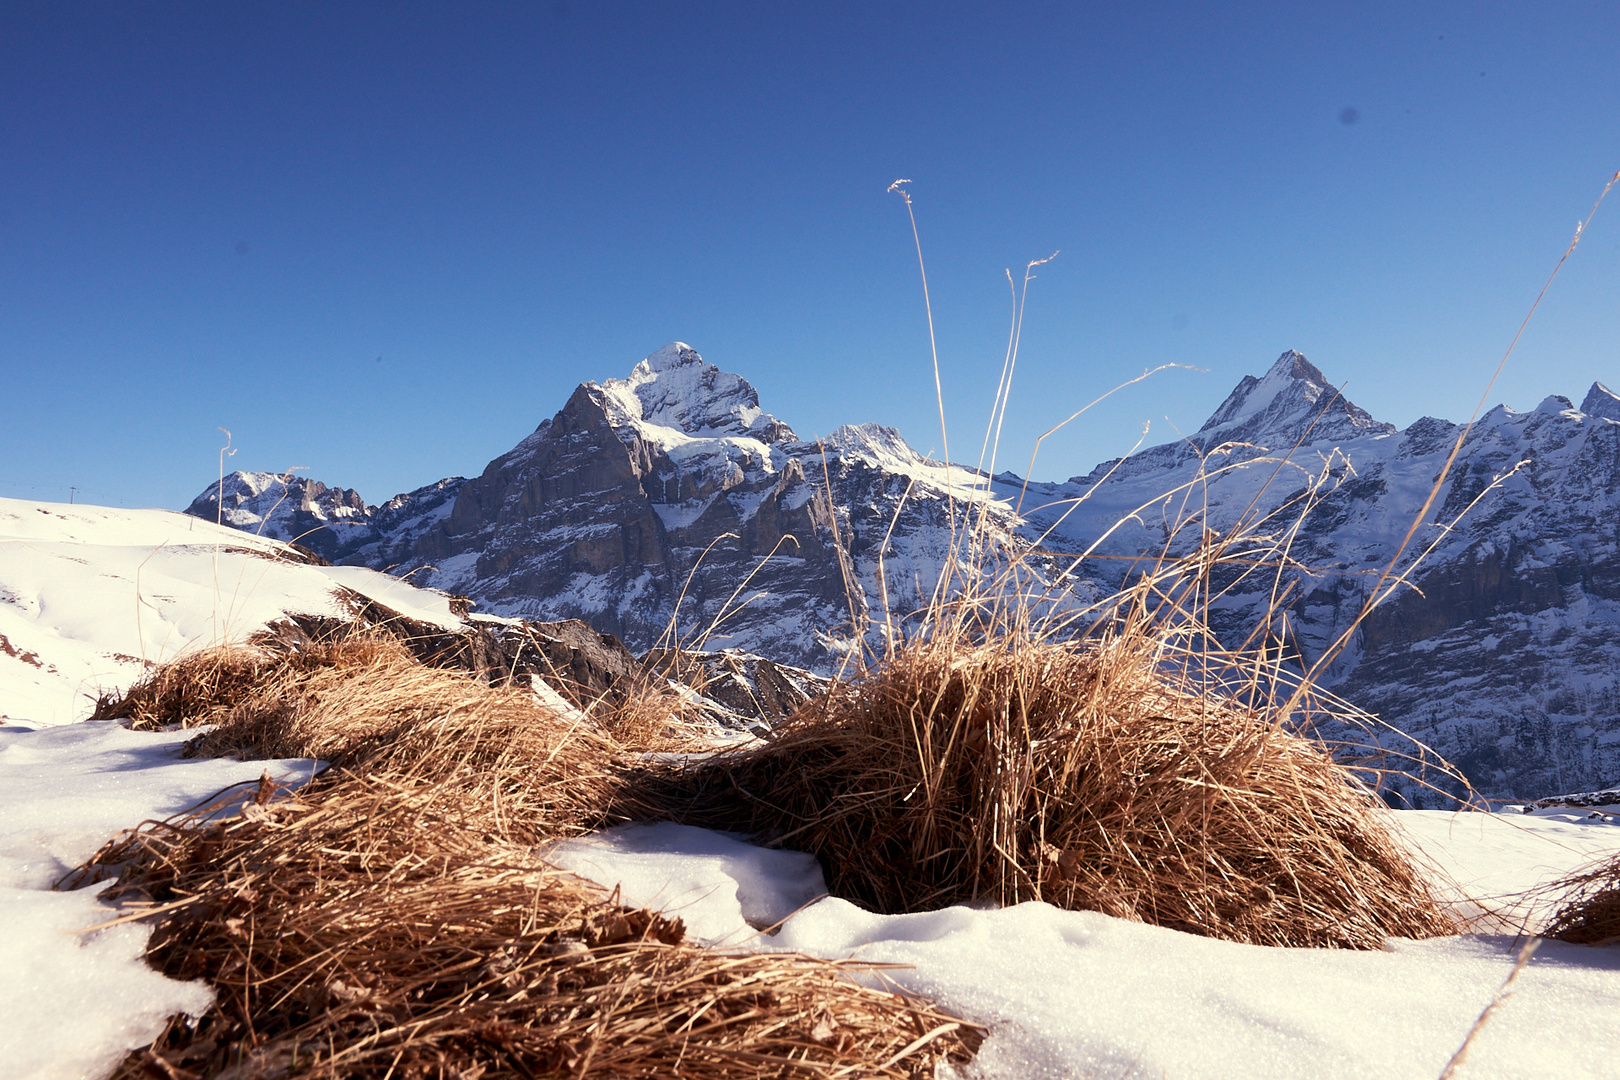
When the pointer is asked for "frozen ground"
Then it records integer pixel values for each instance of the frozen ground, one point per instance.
(89, 593)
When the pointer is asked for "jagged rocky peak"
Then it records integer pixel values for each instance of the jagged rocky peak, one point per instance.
(329, 520)
(676, 388)
(1292, 402)
(876, 441)
(1601, 401)
(246, 499)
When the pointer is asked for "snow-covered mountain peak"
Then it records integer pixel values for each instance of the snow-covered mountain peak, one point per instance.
(675, 388)
(1554, 404)
(1601, 401)
(1291, 402)
(250, 500)
(878, 442)
(676, 354)
(883, 448)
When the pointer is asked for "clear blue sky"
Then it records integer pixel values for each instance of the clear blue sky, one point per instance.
(386, 240)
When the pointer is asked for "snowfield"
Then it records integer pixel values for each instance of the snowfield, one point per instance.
(90, 596)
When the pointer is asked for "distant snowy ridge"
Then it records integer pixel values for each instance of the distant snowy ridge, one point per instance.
(1506, 657)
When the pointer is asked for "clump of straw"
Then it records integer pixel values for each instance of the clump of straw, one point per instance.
(498, 753)
(205, 686)
(360, 931)
(1007, 770)
(1590, 912)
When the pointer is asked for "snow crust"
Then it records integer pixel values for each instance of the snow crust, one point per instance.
(76, 999)
(1079, 994)
(91, 596)
(87, 997)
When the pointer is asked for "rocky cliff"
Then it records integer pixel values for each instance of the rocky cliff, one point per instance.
(664, 506)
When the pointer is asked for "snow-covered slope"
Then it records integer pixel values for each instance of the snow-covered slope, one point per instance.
(91, 596)
(1078, 994)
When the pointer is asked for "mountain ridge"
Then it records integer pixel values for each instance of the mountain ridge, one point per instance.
(665, 501)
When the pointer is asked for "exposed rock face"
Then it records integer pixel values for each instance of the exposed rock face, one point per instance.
(667, 508)
(674, 486)
(641, 489)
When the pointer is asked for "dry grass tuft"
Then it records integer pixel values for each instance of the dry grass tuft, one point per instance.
(1590, 913)
(204, 687)
(648, 715)
(364, 704)
(501, 754)
(357, 930)
(1003, 766)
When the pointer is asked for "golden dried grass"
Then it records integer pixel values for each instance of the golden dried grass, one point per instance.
(1590, 911)
(648, 715)
(360, 930)
(503, 756)
(205, 686)
(1006, 770)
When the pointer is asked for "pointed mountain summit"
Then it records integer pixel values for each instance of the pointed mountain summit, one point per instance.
(1601, 401)
(675, 388)
(1292, 402)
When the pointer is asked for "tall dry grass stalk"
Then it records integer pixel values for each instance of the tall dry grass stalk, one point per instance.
(361, 930)
(1010, 742)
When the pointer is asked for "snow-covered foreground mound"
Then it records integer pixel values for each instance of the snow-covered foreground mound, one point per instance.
(75, 1002)
(91, 596)
(88, 596)
(1079, 994)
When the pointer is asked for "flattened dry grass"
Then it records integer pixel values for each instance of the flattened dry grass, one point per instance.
(506, 756)
(204, 687)
(365, 705)
(359, 930)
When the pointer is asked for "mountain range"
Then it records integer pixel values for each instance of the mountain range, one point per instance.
(669, 507)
